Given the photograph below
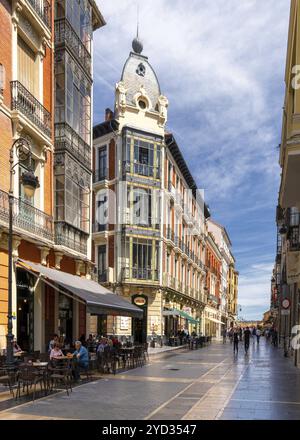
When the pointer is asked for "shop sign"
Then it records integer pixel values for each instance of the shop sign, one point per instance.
(139, 301)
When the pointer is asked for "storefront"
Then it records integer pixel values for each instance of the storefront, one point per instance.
(66, 300)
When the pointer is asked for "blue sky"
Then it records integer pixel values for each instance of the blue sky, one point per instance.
(221, 64)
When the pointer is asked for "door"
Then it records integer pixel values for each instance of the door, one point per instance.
(25, 310)
(139, 326)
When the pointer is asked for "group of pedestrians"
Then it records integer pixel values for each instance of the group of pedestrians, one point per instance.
(238, 335)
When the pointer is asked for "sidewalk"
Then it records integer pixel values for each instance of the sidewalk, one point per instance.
(154, 352)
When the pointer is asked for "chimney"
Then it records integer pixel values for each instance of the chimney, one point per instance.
(109, 115)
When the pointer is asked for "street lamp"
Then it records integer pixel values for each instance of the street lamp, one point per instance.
(30, 183)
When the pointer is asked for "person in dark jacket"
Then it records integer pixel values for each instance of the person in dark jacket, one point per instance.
(235, 341)
(247, 335)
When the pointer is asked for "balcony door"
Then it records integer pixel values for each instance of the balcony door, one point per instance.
(28, 69)
(102, 162)
(102, 264)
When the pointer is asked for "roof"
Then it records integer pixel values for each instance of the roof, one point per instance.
(223, 229)
(138, 72)
(182, 165)
(98, 19)
(105, 128)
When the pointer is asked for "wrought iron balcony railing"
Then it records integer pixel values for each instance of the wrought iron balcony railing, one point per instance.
(43, 10)
(67, 139)
(100, 227)
(100, 175)
(26, 217)
(141, 169)
(145, 274)
(65, 35)
(23, 101)
(70, 237)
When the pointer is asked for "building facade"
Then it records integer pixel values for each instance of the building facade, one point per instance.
(150, 221)
(46, 98)
(285, 282)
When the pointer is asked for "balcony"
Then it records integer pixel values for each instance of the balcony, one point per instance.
(144, 274)
(24, 102)
(141, 169)
(100, 175)
(66, 36)
(70, 237)
(100, 227)
(43, 10)
(67, 139)
(293, 234)
(26, 217)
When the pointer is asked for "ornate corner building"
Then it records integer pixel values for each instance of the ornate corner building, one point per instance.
(150, 221)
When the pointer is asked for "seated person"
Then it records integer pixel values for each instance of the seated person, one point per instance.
(56, 352)
(53, 341)
(16, 347)
(82, 356)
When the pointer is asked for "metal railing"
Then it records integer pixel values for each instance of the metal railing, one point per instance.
(141, 169)
(43, 10)
(26, 217)
(100, 175)
(67, 139)
(70, 237)
(100, 227)
(23, 101)
(65, 35)
(146, 274)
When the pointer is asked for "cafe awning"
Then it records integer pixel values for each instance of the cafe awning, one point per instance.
(181, 313)
(98, 299)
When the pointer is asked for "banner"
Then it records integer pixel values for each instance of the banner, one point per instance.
(293, 267)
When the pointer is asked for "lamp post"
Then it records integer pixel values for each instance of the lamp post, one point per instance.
(30, 183)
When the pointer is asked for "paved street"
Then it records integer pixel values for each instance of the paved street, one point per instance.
(204, 384)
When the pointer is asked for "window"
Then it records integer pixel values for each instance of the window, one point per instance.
(102, 211)
(142, 157)
(102, 162)
(102, 263)
(80, 17)
(28, 71)
(72, 197)
(144, 259)
(73, 97)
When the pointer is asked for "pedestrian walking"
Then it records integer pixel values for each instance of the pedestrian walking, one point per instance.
(247, 335)
(253, 335)
(235, 341)
(224, 335)
(258, 335)
(241, 333)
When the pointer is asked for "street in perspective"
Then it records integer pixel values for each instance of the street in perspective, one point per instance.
(149, 210)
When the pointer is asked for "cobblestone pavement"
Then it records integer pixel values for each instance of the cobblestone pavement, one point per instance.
(205, 384)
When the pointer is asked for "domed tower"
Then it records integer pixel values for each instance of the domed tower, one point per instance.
(139, 102)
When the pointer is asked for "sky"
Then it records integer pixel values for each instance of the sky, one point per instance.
(221, 64)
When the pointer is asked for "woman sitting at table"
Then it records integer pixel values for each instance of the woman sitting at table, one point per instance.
(16, 347)
(56, 352)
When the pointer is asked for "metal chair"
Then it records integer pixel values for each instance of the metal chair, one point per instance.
(27, 377)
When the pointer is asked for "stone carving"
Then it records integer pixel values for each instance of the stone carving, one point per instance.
(121, 98)
(163, 104)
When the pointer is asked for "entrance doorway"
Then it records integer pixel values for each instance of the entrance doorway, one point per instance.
(139, 326)
(65, 317)
(25, 310)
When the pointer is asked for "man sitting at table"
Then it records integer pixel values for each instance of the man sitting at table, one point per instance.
(56, 352)
(82, 357)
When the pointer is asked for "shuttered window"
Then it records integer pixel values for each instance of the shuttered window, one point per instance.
(28, 74)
